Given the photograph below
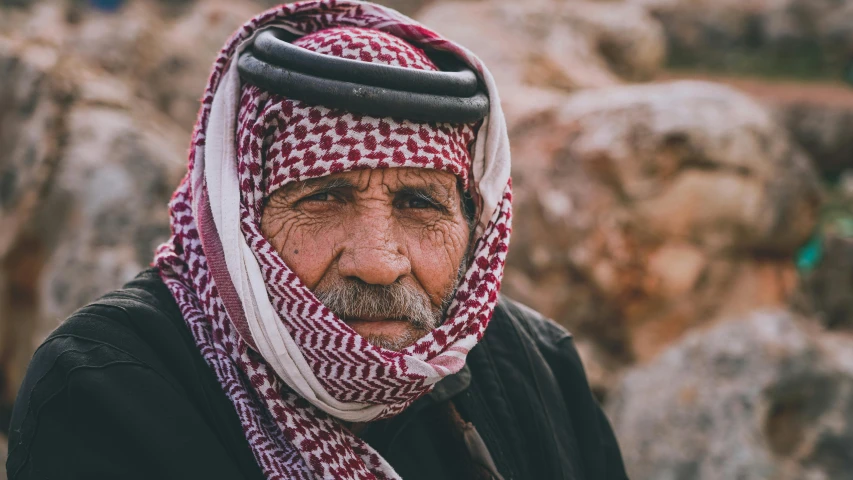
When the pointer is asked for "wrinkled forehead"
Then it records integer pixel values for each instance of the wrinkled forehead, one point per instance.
(288, 140)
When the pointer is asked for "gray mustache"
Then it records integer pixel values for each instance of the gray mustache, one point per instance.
(355, 298)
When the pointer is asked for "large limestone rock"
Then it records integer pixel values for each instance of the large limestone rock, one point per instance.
(87, 165)
(819, 116)
(701, 162)
(629, 39)
(107, 204)
(563, 45)
(175, 78)
(34, 97)
(30, 126)
(759, 397)
(87, 169)
(642, 211)
(162, 51)
(123, 42)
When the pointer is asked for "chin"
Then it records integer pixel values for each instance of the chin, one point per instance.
(394, 344)
(391, 335)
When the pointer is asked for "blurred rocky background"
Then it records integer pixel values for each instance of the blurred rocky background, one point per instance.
(683, 173)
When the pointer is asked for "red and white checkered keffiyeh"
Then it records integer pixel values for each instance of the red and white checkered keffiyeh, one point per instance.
(292, 368)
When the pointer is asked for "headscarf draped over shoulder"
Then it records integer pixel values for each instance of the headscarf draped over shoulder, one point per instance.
(291, 368)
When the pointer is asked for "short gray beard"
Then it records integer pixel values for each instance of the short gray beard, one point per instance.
(353, 298)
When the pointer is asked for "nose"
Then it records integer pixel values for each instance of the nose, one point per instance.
(373, 253)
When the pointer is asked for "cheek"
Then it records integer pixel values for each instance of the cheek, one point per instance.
(435, 254)
(299, 241)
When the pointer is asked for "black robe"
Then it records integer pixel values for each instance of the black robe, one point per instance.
(120, 391)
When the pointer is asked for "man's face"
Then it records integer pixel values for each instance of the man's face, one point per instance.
(381, 248)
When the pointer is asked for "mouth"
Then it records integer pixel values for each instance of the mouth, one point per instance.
(372, 319)
(382, 327)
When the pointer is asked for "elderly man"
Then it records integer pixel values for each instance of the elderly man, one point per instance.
(327, 306)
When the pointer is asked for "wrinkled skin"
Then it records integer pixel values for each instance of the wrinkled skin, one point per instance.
(375, 226)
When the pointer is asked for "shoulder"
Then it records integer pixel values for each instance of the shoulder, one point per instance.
(130, 324)
(121, 341)
(540, 328)
(127, 330)
(138, 323)
(517, 323)
(539, 350)
(532, 350)
(118, 319)
(125, 368)
(142, 305)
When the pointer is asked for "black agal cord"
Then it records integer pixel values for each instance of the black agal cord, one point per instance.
(453, 95)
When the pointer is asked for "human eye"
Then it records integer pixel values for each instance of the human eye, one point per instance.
(419, 201)
(323, 196)
(321, 200)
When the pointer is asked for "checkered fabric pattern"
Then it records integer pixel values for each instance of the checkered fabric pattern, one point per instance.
(278, 141)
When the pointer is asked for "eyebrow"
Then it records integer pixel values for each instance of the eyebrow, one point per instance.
(324, 183)
(431, 192)
(434, 196)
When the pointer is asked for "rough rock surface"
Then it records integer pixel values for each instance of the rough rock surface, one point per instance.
(30, 129)
(824, 130)
(122, 43)
(641, 212)
(802, 37)
(819, 115)
(629, 39)
(175, 78)
(760, 397)
(826, 263)
(87, 169)
(827, 289)
(108, 199)
(644, 210)
(553, 44)
(34, 99)
(161, 52)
